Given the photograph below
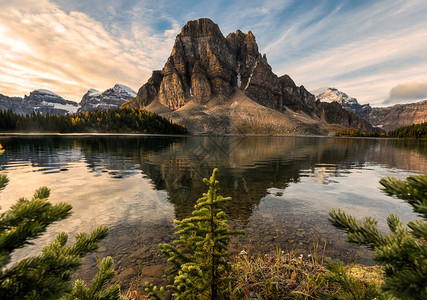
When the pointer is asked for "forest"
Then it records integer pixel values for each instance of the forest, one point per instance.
(121, 120)
(417, 131)
(414, 131)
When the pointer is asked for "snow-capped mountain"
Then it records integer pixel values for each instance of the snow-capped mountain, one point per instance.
(46, 101)
(43, 101)
(347, 102)
(111, 98)
(386, 118)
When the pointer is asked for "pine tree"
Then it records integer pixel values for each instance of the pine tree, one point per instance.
(403, 251)
(198, 260)
(49, 274)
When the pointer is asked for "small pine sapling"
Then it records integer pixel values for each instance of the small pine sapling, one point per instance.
(402, 252)
(198, 259)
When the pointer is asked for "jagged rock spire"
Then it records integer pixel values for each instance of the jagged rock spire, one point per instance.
(205, 65)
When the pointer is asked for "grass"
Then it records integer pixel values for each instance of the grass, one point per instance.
(280, 276)
(289, 276)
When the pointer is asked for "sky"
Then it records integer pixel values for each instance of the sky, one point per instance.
(375, 51)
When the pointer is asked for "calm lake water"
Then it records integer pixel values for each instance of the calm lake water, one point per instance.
(282, 189)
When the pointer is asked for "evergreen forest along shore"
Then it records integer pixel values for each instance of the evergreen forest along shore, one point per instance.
(126, 120)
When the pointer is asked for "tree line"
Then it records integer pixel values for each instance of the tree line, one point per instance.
(120, 120)
(415, 131)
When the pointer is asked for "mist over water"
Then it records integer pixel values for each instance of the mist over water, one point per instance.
(282, 189)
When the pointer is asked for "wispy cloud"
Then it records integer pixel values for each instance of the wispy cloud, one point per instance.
(364, 50)
(70, 52)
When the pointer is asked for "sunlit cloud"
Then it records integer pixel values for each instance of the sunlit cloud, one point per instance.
(68, 52)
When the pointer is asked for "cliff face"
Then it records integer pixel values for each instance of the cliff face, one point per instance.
(204, 65)
(207, 68)
(333, 113)
(389, 118)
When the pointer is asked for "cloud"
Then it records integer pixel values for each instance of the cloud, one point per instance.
(69, 53)
(363, 48)
(406, 92)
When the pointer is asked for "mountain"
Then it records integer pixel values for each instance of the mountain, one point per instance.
(347, 102)
(43, 101)
(111, 98)
(16, 104)
(387, 118)
(219, 85)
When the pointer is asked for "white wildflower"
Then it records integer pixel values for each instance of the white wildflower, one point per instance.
(243, 252)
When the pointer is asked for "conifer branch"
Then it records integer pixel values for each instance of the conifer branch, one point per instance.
(49, 274)
(403, 251)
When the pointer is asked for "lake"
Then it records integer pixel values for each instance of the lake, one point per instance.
(282, 190)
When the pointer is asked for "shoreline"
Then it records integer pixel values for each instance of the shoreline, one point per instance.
(88, 134)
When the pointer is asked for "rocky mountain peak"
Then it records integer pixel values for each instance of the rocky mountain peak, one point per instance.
(200, 28)
(348, 103)
(204, 66)
(93, 92)
(44, 92)
(120, 88)
(110, 98)
(333, 94)
(250, 35)
(46, 101)
(43, 95)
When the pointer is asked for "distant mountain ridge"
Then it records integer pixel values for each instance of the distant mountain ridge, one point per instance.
(210, 73)
(387, 118)
(392, 117)
(347, 102)
(45, 101)
(110, 98)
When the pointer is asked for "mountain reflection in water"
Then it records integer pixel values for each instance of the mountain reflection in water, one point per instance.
(282, 188)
